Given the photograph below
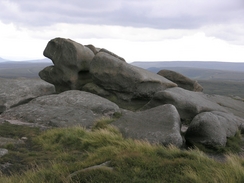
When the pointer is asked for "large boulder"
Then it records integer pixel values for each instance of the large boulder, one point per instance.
(71, 64)
(188, 103)
(181, 80)
(14, 92)
(66, 109)
(213, 128)
(159, 125)
(125, 80)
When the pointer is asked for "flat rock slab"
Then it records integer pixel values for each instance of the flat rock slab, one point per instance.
(159, 125)
(65, 109)
(18, 91)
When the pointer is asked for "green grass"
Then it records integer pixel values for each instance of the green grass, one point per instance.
(74, 154)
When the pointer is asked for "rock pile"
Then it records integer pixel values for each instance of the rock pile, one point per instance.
(87, 79)
(78, 67)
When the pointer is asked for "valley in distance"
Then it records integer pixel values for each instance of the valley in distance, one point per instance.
(221, 78)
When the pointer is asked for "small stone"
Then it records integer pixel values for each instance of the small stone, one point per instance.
(24, 138)
(5, 165)
(3, 152)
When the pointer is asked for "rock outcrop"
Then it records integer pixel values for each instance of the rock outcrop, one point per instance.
(160, 125)
(76, 65)
(66, 109)
(14, 92)
(181, 80)
(85, 77)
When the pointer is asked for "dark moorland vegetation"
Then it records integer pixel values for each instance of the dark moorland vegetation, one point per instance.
(21, 69)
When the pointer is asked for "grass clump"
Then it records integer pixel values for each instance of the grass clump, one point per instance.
(102, 155)
(103, 123)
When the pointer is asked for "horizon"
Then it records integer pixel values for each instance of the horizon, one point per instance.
(142, 30)
(45, 59)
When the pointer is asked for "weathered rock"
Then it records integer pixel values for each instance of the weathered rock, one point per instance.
(76, 67)
(71, 64)
(93, 48)
(14, 92)
(213, 128)
(188, 103)
(111, 53)
(97, 50)
(66, 53)
(157, 125)
(181, 80)
(66, 109)
(127, 81)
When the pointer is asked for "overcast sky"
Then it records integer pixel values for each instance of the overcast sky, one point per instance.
(138, 30)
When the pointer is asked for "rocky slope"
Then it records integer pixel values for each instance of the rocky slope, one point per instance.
(92, 83)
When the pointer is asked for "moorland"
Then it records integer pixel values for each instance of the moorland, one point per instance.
(102, 154)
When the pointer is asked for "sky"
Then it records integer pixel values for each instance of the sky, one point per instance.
(137, 30)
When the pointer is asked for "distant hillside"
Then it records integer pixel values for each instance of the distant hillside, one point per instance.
(28, 69)
(228, 66)
(222, 78)
(204, 74)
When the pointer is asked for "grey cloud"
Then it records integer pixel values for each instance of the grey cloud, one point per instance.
(159, 14)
